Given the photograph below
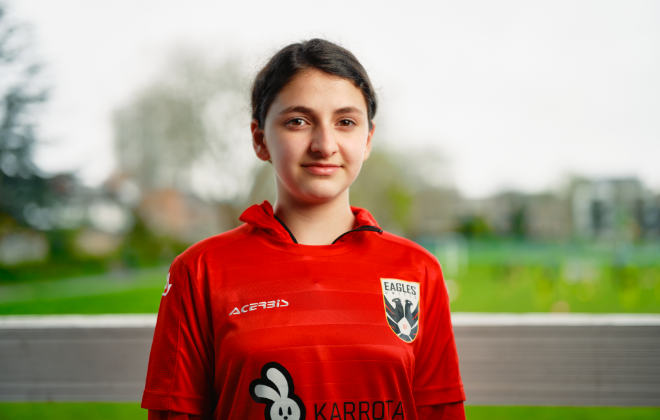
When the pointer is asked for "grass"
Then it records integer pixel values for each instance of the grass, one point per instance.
(535, 288)
(129, 411)
(62, 411)
(530, 277)
(131, 292)
(130, 301)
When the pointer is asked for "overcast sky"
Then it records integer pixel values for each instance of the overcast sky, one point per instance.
(516, 94)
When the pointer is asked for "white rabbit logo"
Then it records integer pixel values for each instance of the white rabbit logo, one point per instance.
(275, 389)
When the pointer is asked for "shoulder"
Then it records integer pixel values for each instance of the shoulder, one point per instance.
(401, 244)
(399, 256)
(215, 245)
(413, 250)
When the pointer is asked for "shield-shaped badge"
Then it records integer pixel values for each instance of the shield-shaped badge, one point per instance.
(401, 300)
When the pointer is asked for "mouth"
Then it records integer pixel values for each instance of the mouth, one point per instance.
(322, 168)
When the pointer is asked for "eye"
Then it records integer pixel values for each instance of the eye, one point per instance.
(289, 410)
(346, 123)
(281, 413)
(296, 122)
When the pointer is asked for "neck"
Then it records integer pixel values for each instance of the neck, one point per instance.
(316, 224)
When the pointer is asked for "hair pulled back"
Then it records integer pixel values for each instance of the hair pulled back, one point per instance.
(296, 58)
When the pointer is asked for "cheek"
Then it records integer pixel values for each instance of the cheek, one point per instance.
(355, 164)
(285, 155)
(281, 148)
(355, 150)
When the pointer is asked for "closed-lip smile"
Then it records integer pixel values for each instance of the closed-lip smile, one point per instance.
(318, 168)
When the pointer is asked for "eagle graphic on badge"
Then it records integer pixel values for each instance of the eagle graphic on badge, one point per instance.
(401, 300)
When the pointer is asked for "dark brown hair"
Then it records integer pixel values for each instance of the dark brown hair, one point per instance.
(295, 59)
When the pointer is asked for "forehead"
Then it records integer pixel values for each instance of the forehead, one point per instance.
(320, 91)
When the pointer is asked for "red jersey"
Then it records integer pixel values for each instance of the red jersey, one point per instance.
(252, 325)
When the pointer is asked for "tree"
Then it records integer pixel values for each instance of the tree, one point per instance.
(184, 131)
(384, 188)
(25, 191)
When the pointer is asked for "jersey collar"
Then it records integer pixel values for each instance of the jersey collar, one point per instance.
(261, 216)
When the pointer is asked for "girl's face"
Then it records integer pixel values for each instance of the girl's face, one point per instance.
(317, 135)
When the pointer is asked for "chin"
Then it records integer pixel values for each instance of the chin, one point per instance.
(319, 197)
(317, 191)
(321, 194)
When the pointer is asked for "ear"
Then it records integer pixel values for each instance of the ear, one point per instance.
(367, 149)
(259, 141)
(279, 380)
(263, 391)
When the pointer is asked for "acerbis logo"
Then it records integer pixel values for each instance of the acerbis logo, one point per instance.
(275, 389)
(279, 303)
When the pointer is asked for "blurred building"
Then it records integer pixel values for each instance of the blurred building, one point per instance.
(23, 247)
(615, 208)
(543, 216)
(434, 211)
(592, 209)
(184, 217)
(170, 212)
(549, 217)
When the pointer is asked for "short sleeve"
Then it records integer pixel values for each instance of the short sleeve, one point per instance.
(451, 411)
(437, 379)
(180, 372)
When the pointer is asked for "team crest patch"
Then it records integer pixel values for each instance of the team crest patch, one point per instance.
(401, 300)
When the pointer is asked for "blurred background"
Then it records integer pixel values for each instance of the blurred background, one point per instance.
(517, 141)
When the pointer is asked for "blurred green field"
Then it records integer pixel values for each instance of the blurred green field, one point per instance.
(481, 277)
(130, 411)
(509, 276)
(115, 293)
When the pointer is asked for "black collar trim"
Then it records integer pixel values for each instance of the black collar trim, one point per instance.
(293, 238)
(360, 229)
(366, 228)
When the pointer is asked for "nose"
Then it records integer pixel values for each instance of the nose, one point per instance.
(323, 141)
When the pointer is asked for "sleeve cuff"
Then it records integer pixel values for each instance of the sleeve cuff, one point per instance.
(188, 404)
(433, 396)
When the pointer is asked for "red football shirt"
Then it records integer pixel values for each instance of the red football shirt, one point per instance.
(254, 326)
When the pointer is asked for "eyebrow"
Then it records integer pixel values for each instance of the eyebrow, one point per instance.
(348, 110)
(305, 110)
(296, 108)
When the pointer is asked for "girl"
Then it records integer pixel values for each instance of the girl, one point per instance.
(308, 310)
